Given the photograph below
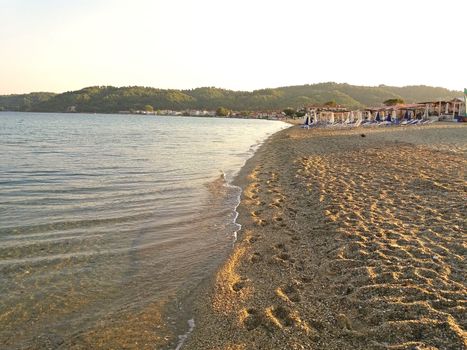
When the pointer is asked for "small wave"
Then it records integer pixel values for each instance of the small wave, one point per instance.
(49, 258)
(217, 187)
(184, 337)
(221, 189)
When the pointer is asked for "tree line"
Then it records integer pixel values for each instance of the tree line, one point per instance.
(109, 99)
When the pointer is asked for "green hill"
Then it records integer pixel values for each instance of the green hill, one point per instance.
(25, 102)
(108, 99)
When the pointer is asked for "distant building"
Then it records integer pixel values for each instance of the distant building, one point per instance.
(451, 109)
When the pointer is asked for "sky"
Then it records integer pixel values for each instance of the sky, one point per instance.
(63, 45)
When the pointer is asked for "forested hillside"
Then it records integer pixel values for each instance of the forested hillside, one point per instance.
(108, 99)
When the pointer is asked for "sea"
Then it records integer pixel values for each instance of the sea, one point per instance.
(109, 223)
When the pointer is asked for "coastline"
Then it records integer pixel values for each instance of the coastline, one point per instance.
(187, 302)
(327, 258)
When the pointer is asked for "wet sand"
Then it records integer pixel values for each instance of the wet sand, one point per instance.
(348, 242)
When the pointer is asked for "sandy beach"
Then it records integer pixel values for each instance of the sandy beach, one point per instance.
(351, 239)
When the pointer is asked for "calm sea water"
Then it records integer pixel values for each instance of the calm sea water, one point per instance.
(107, 219)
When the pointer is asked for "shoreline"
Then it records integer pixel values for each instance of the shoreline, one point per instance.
(180, 329)
(192, 301)
(286, 285)
(284, 120)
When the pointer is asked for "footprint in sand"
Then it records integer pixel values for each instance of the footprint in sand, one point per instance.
(238, 286)
(255, 258)
(289, 293)
(294, 238)
(250, 318)
(344, 322)
(280, 316)
(281, 246)
(261, 222)
(284, 257)
(277, 203)
(253, 239)
(293, 235)
(256, 213)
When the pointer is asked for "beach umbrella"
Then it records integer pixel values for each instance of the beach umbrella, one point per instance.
(347, 118)
(394, 117)
(359, 116)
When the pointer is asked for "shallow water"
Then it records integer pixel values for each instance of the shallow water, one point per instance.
(104, 217)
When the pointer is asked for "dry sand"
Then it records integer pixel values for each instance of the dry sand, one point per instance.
(348, 242)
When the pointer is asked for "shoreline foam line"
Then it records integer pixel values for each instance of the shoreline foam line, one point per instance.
(184, 337)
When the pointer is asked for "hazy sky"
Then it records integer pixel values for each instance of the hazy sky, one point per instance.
(60, 45)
